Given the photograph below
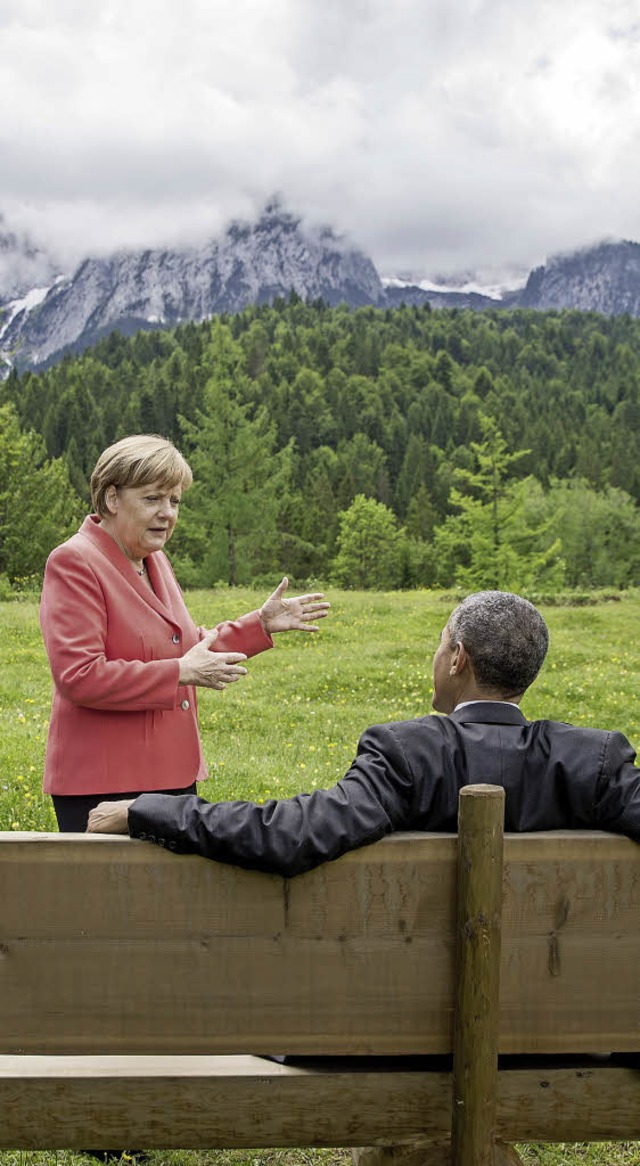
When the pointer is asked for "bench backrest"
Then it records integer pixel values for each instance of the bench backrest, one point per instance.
(115, 946)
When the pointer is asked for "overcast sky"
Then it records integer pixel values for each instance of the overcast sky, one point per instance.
(442, 136)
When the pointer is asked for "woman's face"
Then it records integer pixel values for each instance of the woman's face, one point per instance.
(142, 518)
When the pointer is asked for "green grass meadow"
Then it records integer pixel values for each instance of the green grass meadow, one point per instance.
(293, 724)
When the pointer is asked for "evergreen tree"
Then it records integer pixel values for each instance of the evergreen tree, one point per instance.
(490, 543)
(360, 469)
(229, 527)
(38, 506)
(412, 474)
(381, 403)
(421, 515)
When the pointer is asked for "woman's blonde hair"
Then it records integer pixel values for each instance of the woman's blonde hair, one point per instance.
(138, 461)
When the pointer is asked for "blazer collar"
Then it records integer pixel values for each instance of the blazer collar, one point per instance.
(104, 543)
(109, 548)
(489, 712)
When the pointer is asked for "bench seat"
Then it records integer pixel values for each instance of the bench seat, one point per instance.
(238, 1101)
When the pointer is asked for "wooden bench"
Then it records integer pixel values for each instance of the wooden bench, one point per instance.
(138, 991)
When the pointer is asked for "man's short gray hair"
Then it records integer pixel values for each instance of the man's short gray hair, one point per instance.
(505, 636)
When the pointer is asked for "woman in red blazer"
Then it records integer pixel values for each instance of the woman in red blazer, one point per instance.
(125, 655)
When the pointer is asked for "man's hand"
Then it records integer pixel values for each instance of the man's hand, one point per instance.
(110, 817)
(286, 615)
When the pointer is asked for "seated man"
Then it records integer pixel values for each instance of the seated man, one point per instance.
(407, 774)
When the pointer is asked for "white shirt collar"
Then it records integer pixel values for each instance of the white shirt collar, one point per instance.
(463, 703)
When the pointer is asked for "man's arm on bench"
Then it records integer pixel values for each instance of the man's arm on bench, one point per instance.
(288, 836)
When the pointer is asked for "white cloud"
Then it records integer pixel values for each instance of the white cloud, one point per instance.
(443, 135)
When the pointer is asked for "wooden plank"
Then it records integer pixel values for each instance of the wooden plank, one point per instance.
(581, 1104)
(114, 945)
(304, 999)
(174, 1102)
(218, 1102)
(570, 933)
(477, 995)
(210, 958)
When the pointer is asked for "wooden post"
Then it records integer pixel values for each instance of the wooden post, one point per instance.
(478, 927)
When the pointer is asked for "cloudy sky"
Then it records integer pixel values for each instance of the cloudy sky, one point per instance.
(442, 136)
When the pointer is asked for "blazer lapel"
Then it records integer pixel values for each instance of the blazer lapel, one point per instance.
(160, 575)
(156, 599)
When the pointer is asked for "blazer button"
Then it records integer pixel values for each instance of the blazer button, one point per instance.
(184, 705)
(176, 637)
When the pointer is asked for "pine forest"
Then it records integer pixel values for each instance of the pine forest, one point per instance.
(369, 448)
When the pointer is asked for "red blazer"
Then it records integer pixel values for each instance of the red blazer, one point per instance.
(119, 719)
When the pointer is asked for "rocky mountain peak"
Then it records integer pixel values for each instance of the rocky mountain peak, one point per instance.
(250, 263)
(604, 278)
(41, 317)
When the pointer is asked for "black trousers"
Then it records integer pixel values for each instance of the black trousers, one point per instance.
(72, 810)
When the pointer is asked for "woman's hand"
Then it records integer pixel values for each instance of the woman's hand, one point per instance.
(286, 615)
(209, 669)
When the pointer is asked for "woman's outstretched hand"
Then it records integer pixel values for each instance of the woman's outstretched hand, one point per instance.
(279, 614)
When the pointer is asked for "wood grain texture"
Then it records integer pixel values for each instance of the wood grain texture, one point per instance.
(122, 947)
(112, 945)
(477, 992)
(191, 1102)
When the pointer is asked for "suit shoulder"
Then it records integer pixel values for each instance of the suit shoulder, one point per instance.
(78, 546)
(566, 730)
(401, 730)
(610, 744)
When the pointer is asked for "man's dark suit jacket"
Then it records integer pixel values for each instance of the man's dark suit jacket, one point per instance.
(406, 776)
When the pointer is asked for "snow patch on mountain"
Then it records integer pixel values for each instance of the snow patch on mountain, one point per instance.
(251, 263)
(16, 307)
(469, 286)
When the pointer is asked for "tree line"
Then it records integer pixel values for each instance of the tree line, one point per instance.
(369, 448)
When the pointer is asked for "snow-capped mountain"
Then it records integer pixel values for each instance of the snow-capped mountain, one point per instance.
(44, 314)
(604, 278)
(251, 263)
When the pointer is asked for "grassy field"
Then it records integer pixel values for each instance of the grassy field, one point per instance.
(293, 724)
